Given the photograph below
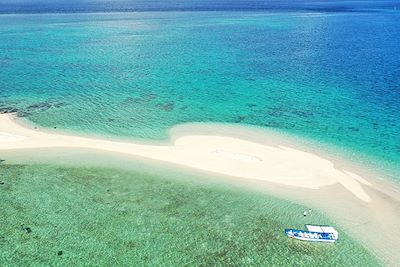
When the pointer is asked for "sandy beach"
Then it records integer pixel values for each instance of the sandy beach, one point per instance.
(298, 175)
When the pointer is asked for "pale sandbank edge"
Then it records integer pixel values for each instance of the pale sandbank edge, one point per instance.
(219, 154)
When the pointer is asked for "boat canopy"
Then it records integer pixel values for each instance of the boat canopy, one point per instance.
(323, 229)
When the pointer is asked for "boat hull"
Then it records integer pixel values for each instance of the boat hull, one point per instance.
(310, 236)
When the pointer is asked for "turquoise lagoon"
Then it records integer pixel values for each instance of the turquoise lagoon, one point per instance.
(329, 77)
(105, 216)
(332, 77)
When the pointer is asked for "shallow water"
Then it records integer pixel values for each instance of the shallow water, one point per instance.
(106, 216)
(331, 77)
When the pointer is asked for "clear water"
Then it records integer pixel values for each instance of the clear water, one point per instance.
(106, 217)
(43, 6)
(329, 76)
(326, 75)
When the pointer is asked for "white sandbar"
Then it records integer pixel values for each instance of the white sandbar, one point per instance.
(223, 155)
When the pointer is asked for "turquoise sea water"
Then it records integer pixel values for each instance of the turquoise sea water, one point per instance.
(62, 216)
(326, 75)
(330, 76)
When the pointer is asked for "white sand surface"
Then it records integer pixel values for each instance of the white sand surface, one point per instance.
(9, 138)
(218, 154)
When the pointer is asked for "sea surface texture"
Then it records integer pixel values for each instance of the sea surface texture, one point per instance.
(329, 76)
(326, 72)
(63, 216)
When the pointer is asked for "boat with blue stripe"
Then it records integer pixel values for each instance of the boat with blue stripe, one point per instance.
(315, 233)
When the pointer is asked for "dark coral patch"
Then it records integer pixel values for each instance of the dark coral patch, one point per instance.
(354, 129)
(21, 113)
(276, 112)
(302, 113)
(130, 245)
(169, 106)
(5, 110)
(132, 100)
(60, 104)
(29, 110)
(43, 106)
(148, 97)
(26, 229)
(239, 119)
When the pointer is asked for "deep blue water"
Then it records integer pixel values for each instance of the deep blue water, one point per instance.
(43, 6)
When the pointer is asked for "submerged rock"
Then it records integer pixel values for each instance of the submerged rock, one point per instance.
(60, 104)
(131, 244)
(23, 114)
(5, 110)
(240, 119)
(27, 229)
(149, 97)
(169, 106)
(43, 106)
